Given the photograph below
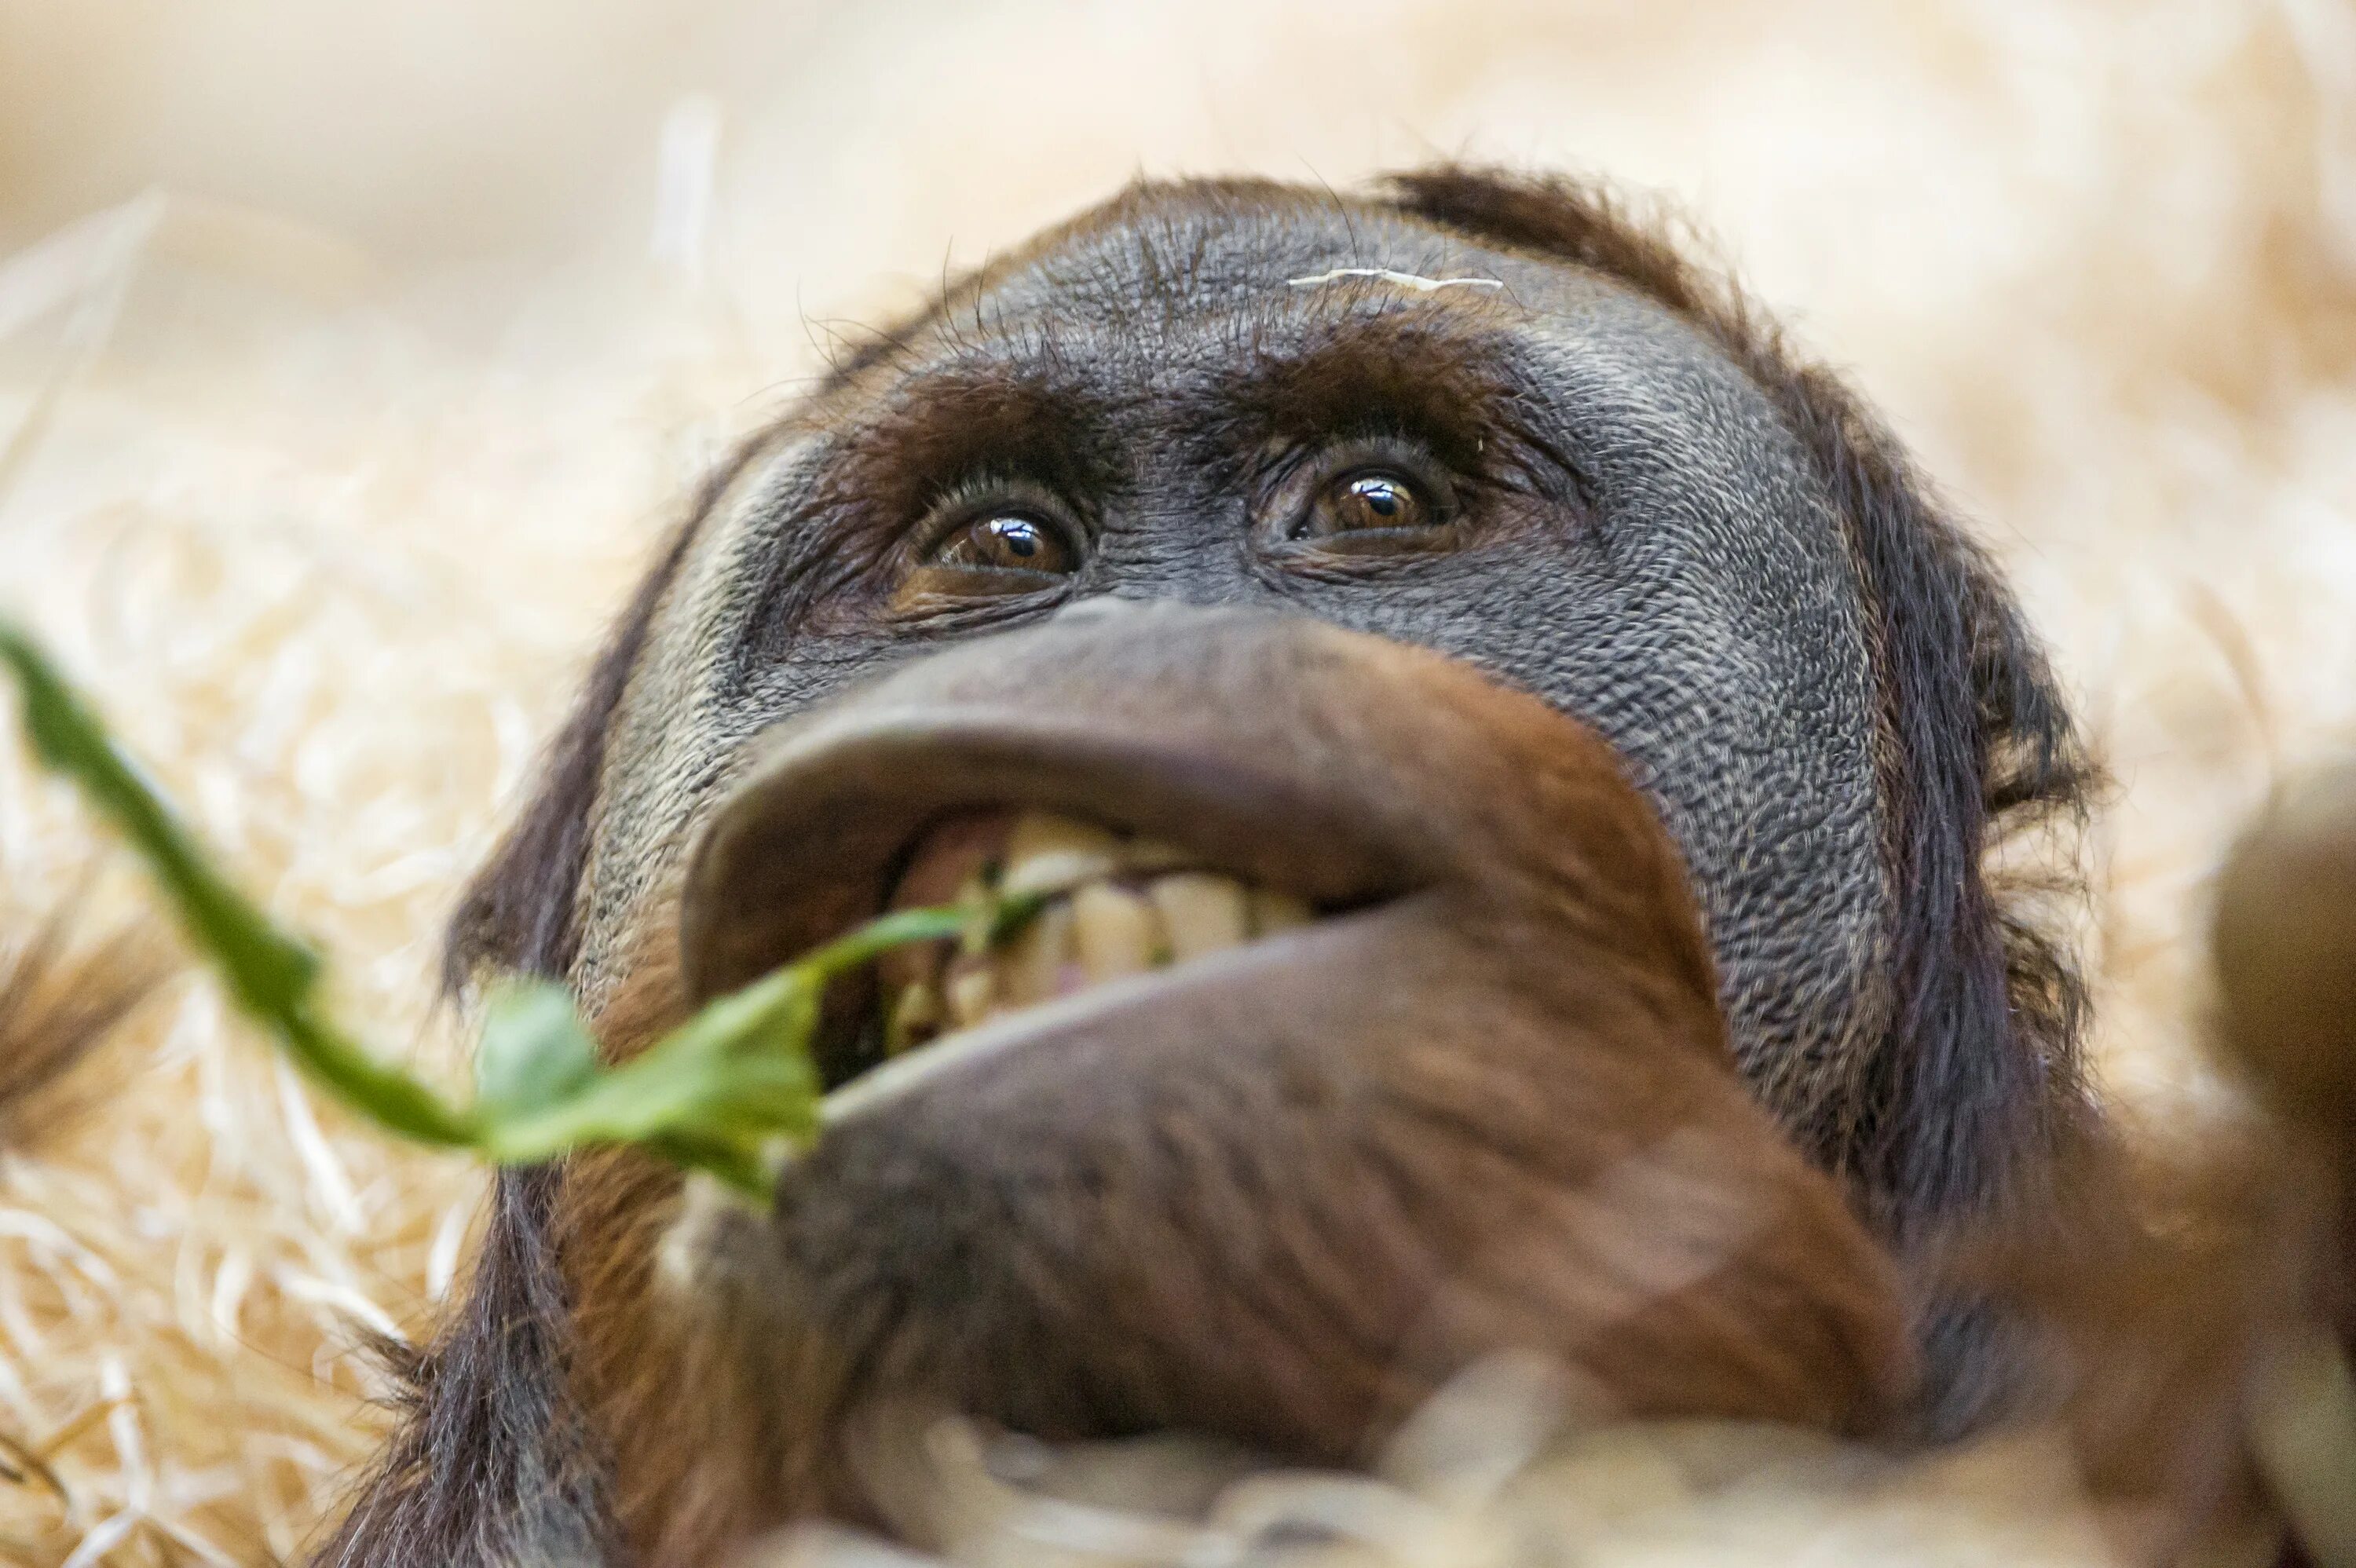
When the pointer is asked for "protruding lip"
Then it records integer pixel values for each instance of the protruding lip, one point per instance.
(1230, 976)
(810, 841)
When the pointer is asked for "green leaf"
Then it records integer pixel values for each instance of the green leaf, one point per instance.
(386, 1094)
(270, 972)
(271, 975)
(737, 1073)
(534, 1053)
(722, 1092)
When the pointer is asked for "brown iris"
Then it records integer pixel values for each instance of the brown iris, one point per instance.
(1357, 503)
(1007, 541)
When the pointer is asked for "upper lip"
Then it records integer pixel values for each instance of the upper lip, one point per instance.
(1238, 737)
(809, 842)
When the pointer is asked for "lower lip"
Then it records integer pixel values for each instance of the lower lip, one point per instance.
(1230, 972)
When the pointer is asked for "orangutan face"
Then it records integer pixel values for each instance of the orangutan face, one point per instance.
(1507, 756)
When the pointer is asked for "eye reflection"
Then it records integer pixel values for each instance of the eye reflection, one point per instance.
(1376, 499)
(1009, 542)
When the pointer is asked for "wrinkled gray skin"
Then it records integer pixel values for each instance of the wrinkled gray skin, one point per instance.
(1701, 613)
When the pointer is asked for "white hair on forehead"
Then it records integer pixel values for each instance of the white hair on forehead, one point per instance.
(1422, 285)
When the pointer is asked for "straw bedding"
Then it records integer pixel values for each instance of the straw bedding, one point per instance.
(329, 521)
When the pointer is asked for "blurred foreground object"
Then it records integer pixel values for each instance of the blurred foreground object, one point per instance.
(1497, 1471)
(2285, 940)
(2285, 952)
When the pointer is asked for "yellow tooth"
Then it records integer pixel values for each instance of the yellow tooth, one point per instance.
(970, 993)
(1117, 932)
(1273, 911)
(916, 1018)
(1203, 913)
(1033, 963)
(1046, 854)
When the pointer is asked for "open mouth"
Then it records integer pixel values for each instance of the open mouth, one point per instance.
(1115, 905)
(1162, 876)
(1218, 845)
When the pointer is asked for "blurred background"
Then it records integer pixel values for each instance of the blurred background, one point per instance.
(353, 355)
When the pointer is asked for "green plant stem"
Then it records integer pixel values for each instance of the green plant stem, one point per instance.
(720, 1094)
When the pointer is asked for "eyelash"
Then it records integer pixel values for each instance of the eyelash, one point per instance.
(978, 495)
(1298, 474)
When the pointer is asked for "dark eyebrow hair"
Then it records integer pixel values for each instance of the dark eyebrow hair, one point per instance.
(1422, 369)
(884, 469)
(944, 425)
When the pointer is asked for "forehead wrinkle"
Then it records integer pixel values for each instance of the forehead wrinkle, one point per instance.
(1193, 248)
(1371, 349)
(1188, 252)
(1167, 325)
(1173, 283)
(1406, 328)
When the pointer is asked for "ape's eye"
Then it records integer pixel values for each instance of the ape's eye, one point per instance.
(1367, 500)
(1009, 542)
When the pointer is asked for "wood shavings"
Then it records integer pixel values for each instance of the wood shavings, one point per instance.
(1620, 1495)
(1422, 285)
